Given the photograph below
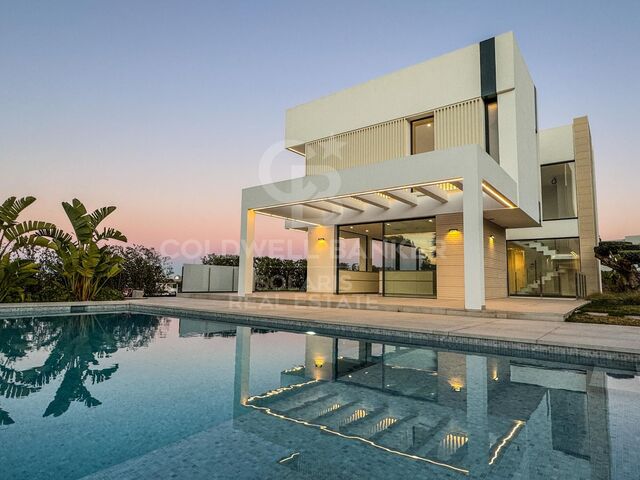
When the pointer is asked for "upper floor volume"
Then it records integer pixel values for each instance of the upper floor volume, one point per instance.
(469, 96)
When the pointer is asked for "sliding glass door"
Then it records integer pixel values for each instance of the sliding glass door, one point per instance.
(395, 258)
(410, 258)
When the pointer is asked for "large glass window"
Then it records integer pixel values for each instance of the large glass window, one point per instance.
(410, 257)
(422, 137)
(493, 143)
(558, 191)
(394, 258)
(543, 267)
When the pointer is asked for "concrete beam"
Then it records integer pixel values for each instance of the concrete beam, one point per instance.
(403, 197)
(347, 203)
(373, 199)
(428, 192)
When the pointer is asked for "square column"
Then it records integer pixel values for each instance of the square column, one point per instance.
(473, 232)
(247, 233)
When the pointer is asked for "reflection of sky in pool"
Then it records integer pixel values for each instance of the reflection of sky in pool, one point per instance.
(136, 396)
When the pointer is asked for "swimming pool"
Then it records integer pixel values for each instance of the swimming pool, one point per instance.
(144, 396)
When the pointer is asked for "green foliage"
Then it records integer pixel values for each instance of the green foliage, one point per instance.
(17, 273)
(142, 269)
(85, 264)
(618, 306)
(615, 299)
(226, 260)
(279, 274)
(623, 258)
(49, 284)
(270, 273)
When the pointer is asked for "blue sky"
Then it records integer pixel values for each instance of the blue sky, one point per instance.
(165, 108)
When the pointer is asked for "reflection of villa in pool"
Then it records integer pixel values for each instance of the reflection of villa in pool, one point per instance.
(413, 408)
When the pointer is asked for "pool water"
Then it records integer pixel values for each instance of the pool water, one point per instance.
(118, 396)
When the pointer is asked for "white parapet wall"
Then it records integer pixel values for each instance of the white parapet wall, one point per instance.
(209, 278)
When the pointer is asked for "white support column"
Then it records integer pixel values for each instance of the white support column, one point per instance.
(473, 231)
(247, 232)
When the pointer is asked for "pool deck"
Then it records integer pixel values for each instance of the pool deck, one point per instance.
(524, 308)
(526, 334)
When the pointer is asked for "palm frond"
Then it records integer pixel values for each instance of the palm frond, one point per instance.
(12, 206)
(111, 234)
(29, 226)
(99, 214)
(80, 221)
(56, 234)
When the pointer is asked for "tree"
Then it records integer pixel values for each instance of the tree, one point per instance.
(87, 264)
(142, 269)
(226, 260)
(624, 259)
(270, 273)
(16, 273)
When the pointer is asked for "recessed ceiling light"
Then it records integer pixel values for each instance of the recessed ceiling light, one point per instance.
(310, 332)
(388, 224)
(351, 227)
(367, 230)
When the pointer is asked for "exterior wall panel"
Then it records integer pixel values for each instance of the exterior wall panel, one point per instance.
(495, 261)
(321, 260)
(450, 255)
(587, 210)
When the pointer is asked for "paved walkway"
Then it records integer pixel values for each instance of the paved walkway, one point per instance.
(591, 336)
(551, 309)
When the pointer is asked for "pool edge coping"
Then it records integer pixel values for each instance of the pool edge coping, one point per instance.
(445, 339)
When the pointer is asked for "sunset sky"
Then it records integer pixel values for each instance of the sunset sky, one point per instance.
(165, 108)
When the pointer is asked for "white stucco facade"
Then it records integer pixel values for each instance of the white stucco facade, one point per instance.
(365, 169)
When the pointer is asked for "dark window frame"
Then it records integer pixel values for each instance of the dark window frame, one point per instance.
(411, 130)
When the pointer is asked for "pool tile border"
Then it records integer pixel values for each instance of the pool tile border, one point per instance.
(625, 360)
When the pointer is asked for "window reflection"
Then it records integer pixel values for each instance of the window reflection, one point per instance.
(558, 191)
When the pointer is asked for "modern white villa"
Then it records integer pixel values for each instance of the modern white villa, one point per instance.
(434, 181)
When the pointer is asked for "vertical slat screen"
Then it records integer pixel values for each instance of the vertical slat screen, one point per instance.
(459, 124)
(366, 146)
(455, 125)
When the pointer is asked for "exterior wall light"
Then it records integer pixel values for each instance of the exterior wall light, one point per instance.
(321, 239)
(454, 230)
(492, 237)
(319, 362)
